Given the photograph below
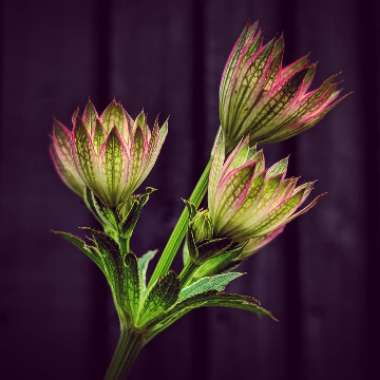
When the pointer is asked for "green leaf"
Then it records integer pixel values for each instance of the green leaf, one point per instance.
(210, 299)
(143, 263)
(163, 295)
(131, 285)
(206, 284)
(83, 247)
(110, 257)
(102, 239)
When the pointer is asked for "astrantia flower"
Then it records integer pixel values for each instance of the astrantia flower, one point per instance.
(111, 154)
(249, 203)
(261, 98)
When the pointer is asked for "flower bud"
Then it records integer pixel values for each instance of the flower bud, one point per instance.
(260, 98)
(247, 202)
(201, 226)
(110, 154)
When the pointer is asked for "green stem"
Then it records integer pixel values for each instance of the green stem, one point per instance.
(128, 347)
(180, 229)
(186, 273)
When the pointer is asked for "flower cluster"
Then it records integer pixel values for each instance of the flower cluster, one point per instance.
(105, 158)
(111, 154)
(261, 98)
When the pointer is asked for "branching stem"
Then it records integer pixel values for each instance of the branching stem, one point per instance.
(179, 231)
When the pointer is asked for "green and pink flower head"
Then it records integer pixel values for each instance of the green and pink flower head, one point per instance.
(110, 154)
(261, 98)
(247, 202)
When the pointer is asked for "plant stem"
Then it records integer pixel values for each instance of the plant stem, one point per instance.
(128, 347)
(186, 273)
(180, 228)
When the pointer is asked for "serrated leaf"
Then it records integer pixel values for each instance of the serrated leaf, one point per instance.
(131, 285)
(211, 299)
(101, 238)
(206, 284)
(109, 254)
(163, 295)
(83, 247)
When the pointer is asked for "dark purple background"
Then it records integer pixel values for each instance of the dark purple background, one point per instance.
(320, 277)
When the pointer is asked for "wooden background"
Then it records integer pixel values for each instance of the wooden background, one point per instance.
(320, 277)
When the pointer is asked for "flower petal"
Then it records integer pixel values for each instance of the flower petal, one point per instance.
(114, 161)
(114, 116)
(258, 242)
(84, 153)
(90, 117)
(231, 188)
(155, 144)
(218, 156)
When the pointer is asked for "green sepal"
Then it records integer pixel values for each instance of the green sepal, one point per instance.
(191, 208)
(185, 254)
(214, 247)
(104, 215)
(162, 296)
(129, 213)
(192, 247)
(222, 262)
(199, 253)
(206, 284)
(210, 299)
